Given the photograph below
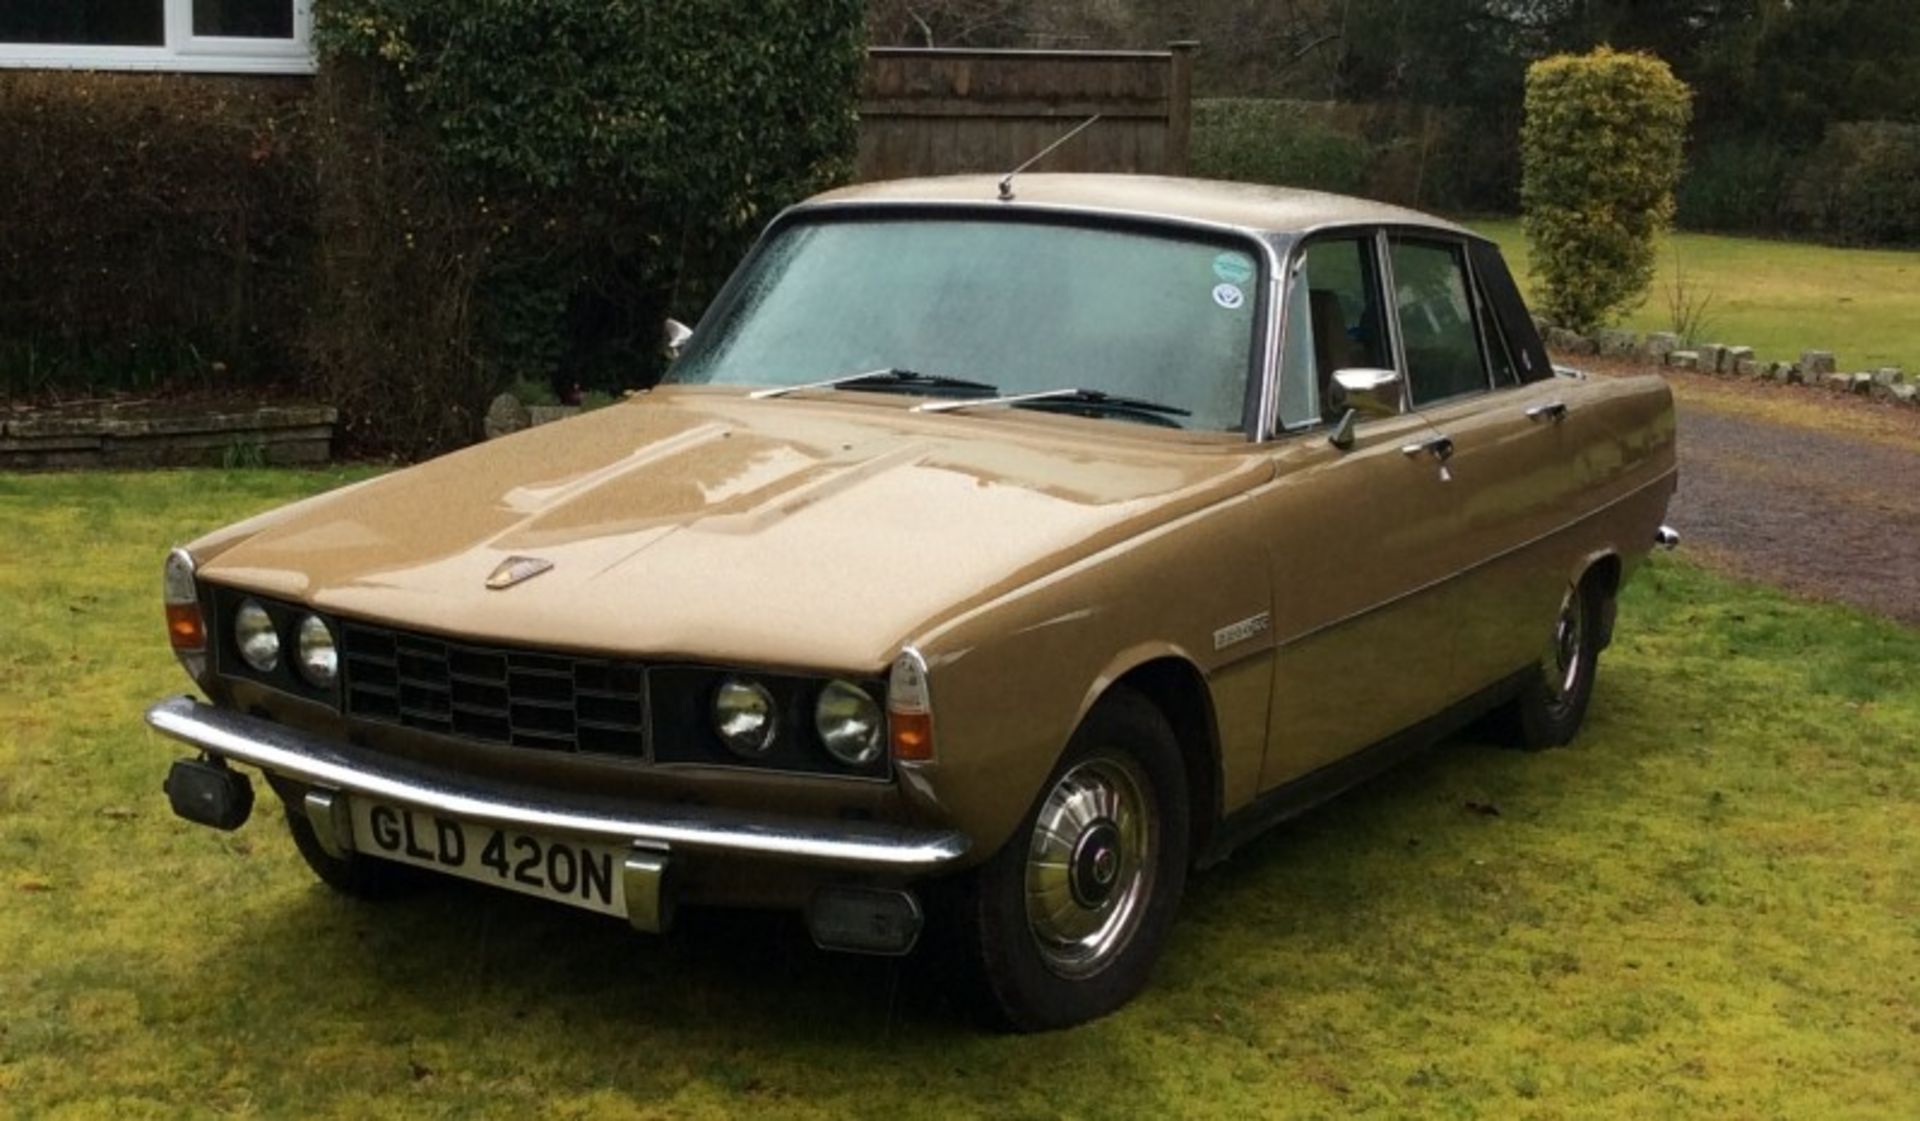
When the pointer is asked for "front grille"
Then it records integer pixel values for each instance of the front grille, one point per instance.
(554, 702)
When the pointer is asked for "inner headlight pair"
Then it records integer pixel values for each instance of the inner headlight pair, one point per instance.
(845, 717)
(315, 655)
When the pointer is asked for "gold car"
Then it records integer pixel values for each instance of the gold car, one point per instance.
(991, 556)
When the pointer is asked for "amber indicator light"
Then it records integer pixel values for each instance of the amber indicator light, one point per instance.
(184, 627)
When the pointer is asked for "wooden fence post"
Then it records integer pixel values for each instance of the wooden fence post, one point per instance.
(1180, 107)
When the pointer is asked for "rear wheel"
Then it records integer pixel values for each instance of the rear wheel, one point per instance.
(1553, 701)
(1065, 922)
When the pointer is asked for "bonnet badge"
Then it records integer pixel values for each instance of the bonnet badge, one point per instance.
(516, 570)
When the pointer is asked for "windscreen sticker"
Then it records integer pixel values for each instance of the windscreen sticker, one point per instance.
(1228, 296)
(1234, 268)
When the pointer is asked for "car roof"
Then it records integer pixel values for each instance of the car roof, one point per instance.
(1284, 210)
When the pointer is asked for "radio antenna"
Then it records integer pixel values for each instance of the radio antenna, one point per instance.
(1006, 184)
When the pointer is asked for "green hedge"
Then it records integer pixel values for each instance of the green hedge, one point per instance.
(555, 175)
(152, 229)
(1602, 151)
(1422, 156)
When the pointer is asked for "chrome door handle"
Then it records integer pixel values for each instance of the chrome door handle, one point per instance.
(1440, 447)
(1555, 411)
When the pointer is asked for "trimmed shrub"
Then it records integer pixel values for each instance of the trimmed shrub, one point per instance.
(1414, 155)
(561, 174)
(1601, 151)
(151, 226)
(1861, 186)
(1284, 143)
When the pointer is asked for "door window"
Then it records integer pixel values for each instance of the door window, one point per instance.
(1436, 313)
(1334, 322)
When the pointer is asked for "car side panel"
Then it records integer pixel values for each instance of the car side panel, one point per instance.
(1013, 678)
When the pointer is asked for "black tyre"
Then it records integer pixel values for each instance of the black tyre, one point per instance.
(362, 877)
(1552, 703)
(1065, 923)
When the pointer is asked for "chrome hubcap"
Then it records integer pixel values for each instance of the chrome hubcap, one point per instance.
(1090, 866)
(1560, 663)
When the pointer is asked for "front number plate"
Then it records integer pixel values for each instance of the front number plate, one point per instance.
(576, 873)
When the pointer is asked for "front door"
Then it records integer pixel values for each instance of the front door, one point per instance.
(1355, 536)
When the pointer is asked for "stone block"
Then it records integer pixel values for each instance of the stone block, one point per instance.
(1616, 344)
(1684, 360)
(547, 414)
(1746, 368)
(1569, 342)
(505, 415)
(1659, 344)
(1818, 362)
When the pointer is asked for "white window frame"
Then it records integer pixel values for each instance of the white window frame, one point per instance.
(184, 51)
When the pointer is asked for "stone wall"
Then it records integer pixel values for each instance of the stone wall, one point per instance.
(145, 435)
(1817, 368)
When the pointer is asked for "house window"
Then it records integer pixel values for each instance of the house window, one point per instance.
(230, 36)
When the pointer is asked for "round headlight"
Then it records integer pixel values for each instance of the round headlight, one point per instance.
(318, 659)
(253, 633)
(743, 717)
(849, 723)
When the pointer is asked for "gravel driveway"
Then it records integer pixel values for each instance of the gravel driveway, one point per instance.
(1821, 513)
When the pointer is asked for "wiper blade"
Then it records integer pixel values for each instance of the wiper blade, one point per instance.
(888, 377)
(1069, 398)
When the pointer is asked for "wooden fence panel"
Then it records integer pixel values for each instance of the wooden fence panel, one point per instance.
(944, 112)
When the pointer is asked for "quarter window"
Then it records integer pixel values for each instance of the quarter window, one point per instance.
(235, 36)
(1432, 298)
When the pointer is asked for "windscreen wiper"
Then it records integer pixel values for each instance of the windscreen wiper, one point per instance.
(1069, 398)
(886, 378)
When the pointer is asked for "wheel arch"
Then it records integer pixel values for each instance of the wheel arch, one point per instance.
(1607, 570)
(1174, 684)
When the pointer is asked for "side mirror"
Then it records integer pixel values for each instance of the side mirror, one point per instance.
(674, 337)
(1371, 393)
(1357, 393)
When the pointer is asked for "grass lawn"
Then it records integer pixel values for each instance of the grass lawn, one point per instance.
(1709, 906)
(1780, 297)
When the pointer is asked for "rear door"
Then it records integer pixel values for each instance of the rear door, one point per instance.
(1512, 468)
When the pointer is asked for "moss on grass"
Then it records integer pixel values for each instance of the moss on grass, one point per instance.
(1708, 906)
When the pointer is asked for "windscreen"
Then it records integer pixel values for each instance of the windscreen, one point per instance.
(1021, 306)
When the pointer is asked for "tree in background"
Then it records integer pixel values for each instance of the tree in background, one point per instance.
(1602, 149)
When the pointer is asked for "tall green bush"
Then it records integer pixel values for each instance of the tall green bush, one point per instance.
(1601, 152)
(559, 174)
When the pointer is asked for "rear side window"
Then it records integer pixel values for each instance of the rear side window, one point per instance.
(1434, 301)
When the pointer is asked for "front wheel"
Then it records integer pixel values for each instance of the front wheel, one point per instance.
(362, 877)
(1065, 922)
(1552, 703)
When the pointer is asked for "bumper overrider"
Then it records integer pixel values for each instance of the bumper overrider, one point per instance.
(334, 773)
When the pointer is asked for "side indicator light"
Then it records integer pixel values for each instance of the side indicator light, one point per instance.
(185, 628)
(910, 708)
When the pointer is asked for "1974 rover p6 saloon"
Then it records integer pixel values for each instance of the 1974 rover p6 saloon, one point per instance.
(992, 555)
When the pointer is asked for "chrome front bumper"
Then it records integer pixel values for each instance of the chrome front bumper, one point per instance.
(331, 766)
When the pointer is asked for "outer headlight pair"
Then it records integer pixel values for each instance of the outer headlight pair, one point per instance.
(846, 719)
(315, 656)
